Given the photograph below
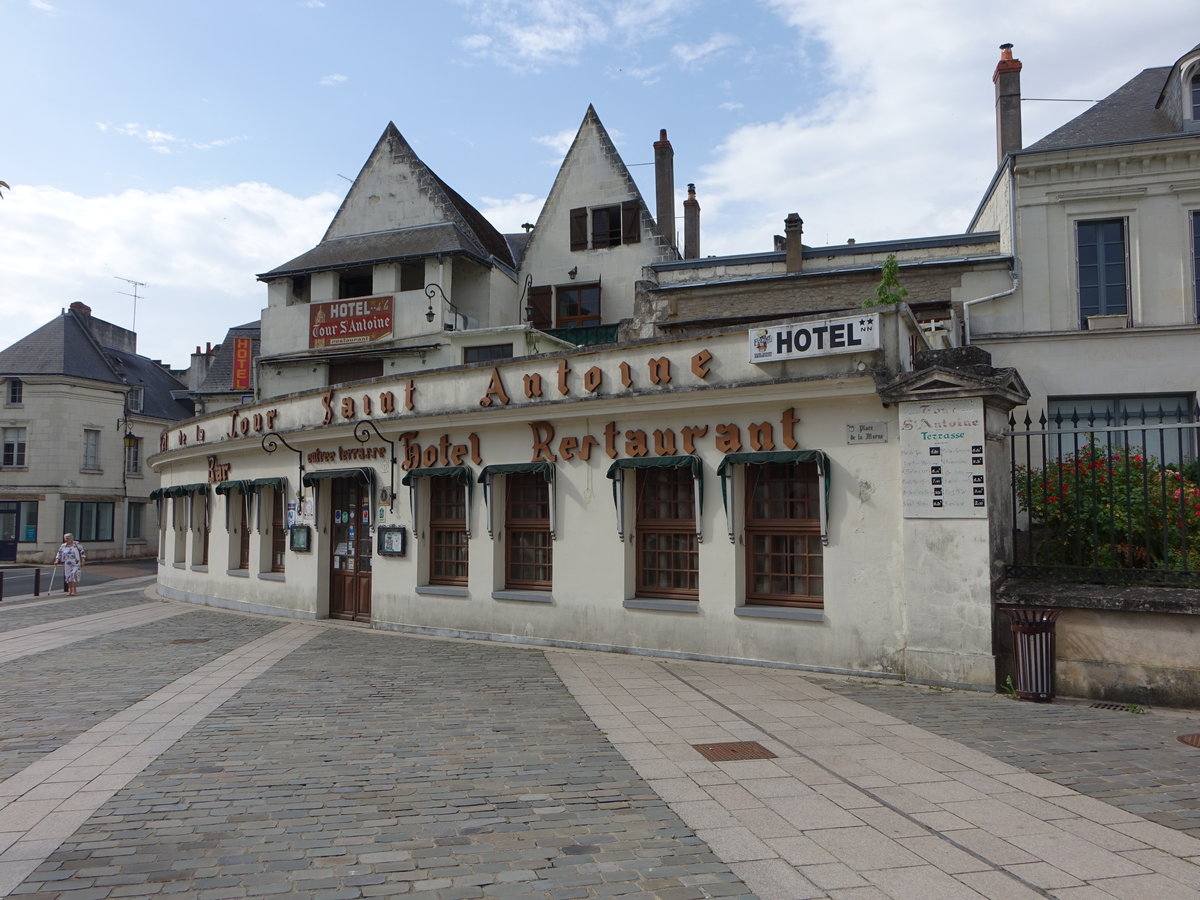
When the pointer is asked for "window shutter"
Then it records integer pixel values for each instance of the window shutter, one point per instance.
(631, 222)
(539, 302)
(579, 228)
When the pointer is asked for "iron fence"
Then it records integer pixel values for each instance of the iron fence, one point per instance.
(1109, 497)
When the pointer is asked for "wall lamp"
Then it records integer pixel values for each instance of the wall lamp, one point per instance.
(434, 289)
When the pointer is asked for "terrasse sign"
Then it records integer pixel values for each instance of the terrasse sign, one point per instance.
(826, 337)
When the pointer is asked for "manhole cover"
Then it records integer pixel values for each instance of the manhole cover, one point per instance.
(733, 751)
(1190, 739)
(1123, 707)
(191, 640)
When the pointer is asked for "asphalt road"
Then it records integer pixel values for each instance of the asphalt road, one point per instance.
(20, 582)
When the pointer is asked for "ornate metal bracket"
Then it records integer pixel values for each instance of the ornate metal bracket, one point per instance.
(270, 442)
(362, 434)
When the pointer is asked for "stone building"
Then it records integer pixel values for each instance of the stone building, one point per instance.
(81, 412)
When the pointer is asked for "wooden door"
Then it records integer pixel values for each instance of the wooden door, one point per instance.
(350, 563)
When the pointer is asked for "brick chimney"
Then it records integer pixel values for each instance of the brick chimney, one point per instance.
(793, 234)
(82, 310)
(664, 186)
(1007, 79)
(691, 225)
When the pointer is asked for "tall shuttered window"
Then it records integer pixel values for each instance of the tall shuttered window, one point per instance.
(784, 561)
(1103, 269)
(278, 533)
(447, 532)
(1196, 262)
(667, 546)
(529, 551)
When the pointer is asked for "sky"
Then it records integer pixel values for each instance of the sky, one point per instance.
(189, 146)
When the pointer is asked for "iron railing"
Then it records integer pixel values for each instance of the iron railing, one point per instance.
(1107, 497)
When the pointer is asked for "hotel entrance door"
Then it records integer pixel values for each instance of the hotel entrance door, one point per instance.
(350, 564)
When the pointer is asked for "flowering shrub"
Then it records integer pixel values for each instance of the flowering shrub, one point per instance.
(1113, 510)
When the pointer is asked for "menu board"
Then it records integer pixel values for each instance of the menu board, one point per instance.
(942, 468)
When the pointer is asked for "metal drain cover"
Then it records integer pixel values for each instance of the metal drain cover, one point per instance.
(1122, 707)
(733, 751)
(1192, 740)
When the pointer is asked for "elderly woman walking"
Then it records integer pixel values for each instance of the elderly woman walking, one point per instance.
(71, 555)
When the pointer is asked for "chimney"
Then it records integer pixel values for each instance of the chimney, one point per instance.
(664, 186)
(793, 233)
(1007, 79)
(82, 310)
(691, 225)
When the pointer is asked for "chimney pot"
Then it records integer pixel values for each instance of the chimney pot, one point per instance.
(1007, 79)
(82, 308)
(691, 225)
(664, 186)
(793, 231)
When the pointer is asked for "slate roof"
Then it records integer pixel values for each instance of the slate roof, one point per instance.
(1127, 114)
(384, 246)
(219, 379)
(65, 347)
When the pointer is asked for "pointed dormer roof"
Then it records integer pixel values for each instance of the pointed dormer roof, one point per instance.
(399, 208)
(570, 191)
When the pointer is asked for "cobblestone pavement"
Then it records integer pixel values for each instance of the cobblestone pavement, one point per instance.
(1131, 760)
(217, 755)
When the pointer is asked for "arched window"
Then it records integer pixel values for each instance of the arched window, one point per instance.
(1196, 97)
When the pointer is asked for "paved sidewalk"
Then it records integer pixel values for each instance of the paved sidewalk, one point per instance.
(217, 755)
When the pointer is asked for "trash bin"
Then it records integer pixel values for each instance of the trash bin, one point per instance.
(1033, 652)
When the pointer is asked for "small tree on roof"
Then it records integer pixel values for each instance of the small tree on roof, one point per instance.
(889, 291)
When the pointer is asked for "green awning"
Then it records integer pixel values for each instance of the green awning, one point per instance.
(279, 484)
(545, 469)
(180, 490)
(820, 457)
(361, 475)
(657, 462)
(244, 486)
(156, 493)
(460, 473)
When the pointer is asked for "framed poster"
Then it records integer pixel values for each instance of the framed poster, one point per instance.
(300, 538)
(393, 540)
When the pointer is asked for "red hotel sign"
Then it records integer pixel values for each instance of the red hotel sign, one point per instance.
(349, 321)
(241, 363)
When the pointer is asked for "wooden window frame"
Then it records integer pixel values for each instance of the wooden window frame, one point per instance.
(91, 450)
(278, 532)
(790, 527)
(447, 532)
(15, 395)
(681, 482)
(606, 227)
(244, 501)
(579, 320)
(516, 484)
(487, 352)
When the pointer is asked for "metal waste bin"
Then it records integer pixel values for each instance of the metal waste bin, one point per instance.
(1033, 652)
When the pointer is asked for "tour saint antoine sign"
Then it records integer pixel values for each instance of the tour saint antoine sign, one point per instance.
(343, 322)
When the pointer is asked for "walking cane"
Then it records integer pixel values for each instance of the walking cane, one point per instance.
(50, 590)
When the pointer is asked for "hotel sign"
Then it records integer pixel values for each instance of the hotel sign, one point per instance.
(824, 337)
(344, 322)
(242, 354)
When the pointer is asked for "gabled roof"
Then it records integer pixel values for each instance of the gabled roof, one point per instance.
(398, 207)
(66, 348)
(63, 346)
(219, 379)
(591, 123)
(1127, 114)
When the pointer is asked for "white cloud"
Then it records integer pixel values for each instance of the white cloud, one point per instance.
(315, 4)
(899, 140)
(691, 55)
(527, 35)
(197, 250)
(475, 43)
(729, 105)
(560, 143)
(509, 214)
(42, 5)
(334, 79)
(163, 141)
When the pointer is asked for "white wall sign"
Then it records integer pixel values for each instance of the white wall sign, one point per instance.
(866, 433)
(825, 337)
(941, 459)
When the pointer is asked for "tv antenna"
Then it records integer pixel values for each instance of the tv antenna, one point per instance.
(134, 294)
